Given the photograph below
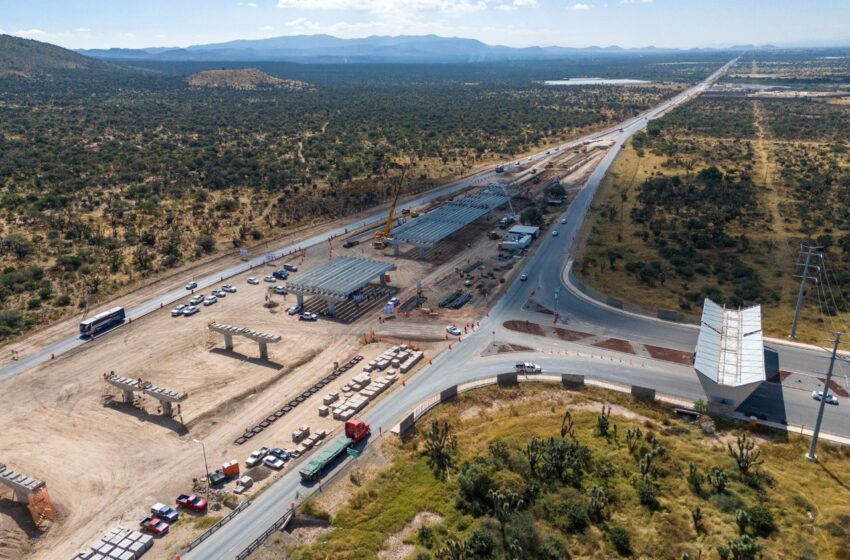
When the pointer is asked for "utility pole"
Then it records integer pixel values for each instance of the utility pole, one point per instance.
(808, 251)
(811, 456)
(206, 468)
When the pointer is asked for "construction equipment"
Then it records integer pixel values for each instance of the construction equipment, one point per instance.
(383, 236)
(355, 431)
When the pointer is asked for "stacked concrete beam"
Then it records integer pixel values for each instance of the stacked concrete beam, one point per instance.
(167, 397)
(261, 338)
(22, 485)
(127, 386)
(117, 544)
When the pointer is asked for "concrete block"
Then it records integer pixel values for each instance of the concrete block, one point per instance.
(98, 557)
(643, 392)
(86, 554)
(127, 555)
(135, 535)
(572, 380)
(105, 549)
(115, 553)
(406, 423)
(506, 379)
(125, 544)
(137, 549)
(447, 394)
(323, 411)
(146, 540)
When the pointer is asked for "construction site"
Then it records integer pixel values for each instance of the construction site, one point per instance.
(139, 416)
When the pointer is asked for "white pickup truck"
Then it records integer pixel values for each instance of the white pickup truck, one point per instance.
(527, 367)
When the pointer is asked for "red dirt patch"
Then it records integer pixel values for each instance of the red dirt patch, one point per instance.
(615, 344)
(836, 388)
(570, 336)
(525, 327)
(669, 355)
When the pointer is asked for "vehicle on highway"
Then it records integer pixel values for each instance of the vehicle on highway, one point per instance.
(164, 512)
(355, 432)
(210, 300)
(351, 243)
(394, 301)
(190, 310)
(253, 281)
(523, 277)
(154, 525)
(280, 274)
(273, 462)
(256, 457)
(191, 501)
(177, 311)
(290, 267)
(294, 310)
(197, 299)
(191, 285)
(229, 288)
(529, 158)
(102, 321)
(453, 330)
(563, 220)
(830, 398)
(280, 290)
(467, 282)
(528, 367)
(308, 316)
(548, 152)
(554, 233)
(279, 453)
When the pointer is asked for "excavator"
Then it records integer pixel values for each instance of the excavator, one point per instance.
(382, 237)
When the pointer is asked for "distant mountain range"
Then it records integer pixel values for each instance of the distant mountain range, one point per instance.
(326, 48)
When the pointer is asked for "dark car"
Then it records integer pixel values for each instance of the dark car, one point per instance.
(279, 453)
(290, 267)
(280, 274)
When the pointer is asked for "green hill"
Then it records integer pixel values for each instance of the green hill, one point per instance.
(28, 58)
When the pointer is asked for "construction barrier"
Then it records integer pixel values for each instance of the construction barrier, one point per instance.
(506, 379)
(572, 380)
(447, 394)
(643, 393)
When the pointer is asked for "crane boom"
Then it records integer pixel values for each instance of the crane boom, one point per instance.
(384, 235)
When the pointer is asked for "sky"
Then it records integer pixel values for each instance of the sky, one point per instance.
(627, 23)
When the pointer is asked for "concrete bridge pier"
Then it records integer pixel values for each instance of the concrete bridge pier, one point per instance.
(331, 308)
(228, 341)
(421, 252)
(264, 351)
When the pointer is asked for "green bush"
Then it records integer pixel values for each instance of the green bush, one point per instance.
(552, 547)
(63, 300)
(761, 520)
(621, 540)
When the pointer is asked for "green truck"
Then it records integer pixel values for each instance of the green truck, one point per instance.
(355, 431)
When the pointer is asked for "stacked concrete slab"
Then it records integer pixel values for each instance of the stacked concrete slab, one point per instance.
(117, 544)
(400, 357)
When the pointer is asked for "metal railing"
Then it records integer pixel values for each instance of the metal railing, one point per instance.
(258, 542)
(218, 524)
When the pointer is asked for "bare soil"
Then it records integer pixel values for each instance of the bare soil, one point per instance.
(669, 355)
(615, 344)
(524, 327)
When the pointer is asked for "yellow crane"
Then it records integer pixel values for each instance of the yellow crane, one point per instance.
(382, 237)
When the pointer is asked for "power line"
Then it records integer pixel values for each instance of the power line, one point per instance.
(832, 296)
(808, 251)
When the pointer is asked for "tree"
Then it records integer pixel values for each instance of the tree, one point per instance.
(740, 548)
(205, 242)
(531, 216)
(567, 425)
(695, 478)
(742, 518)
(505, 503)
(598, 503)
(453, 549)
(621, 539)
(603, 422)
(555, 190)
(633, 435)
(440, 446)
(142, 258)
(717, 478)
(696, 517)
(745, 454)
(534, 452)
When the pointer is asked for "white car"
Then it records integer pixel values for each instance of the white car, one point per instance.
(273, 462)
(197, 299)
(563, 220)
(394, 301)
(256, 457)
(178, 311)
(308, 316)
(523, 277)
(210, 300)
(453, 330)
(190, 310)
(280, 290)
(294, 310)
(191, 285)
(269, 278)
(528, 367)
(830, 398)
(219, 293)
(253, 281)
(554, 233)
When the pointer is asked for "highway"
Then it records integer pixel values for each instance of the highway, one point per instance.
(464, 362)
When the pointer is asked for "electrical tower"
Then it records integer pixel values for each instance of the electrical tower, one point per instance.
(808, 251)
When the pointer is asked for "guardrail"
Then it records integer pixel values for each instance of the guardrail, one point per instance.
(258, 542)
(218, 524)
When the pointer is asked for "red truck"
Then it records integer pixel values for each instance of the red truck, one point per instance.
(355, 431)
(192, 501)
(154, 525)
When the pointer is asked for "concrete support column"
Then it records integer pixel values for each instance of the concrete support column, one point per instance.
(128, 396)
(395, 249)
(383, 279)
(264, 351)
(331, 308)
(300, 299)
(421, 252)
(228, 342)
(166, 409)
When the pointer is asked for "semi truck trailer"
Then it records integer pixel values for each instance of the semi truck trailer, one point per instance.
(355, 431)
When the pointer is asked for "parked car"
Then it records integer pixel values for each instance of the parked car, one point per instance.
(256, 457)
(280, 290)
(269, 278)
(210, 300)
(528, 367)
(219, 293)
(350, 243)
(229, 288)
(280, 274)
(253, 281)
(523, 277)
(273, 462)
(166, 513)
(190, 310)
(191, 501)
(467, 282)
(279, 453)
(154, 525)
(394, 301)
(191, 285)
(308, 316)
(294, 453)
(177, 311)
(830, 398)
(453, 330)
(294, 310)
(197, 299)
(290, 267)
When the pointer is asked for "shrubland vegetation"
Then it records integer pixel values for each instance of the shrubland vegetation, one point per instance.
(111, 174)
(541, 473)
(714, 200)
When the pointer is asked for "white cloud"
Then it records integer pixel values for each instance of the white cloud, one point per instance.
(29, 32)
(579, 6)
(82, 30)
(389, 7)
(246, 4)
(267, 28)
(635, 1)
